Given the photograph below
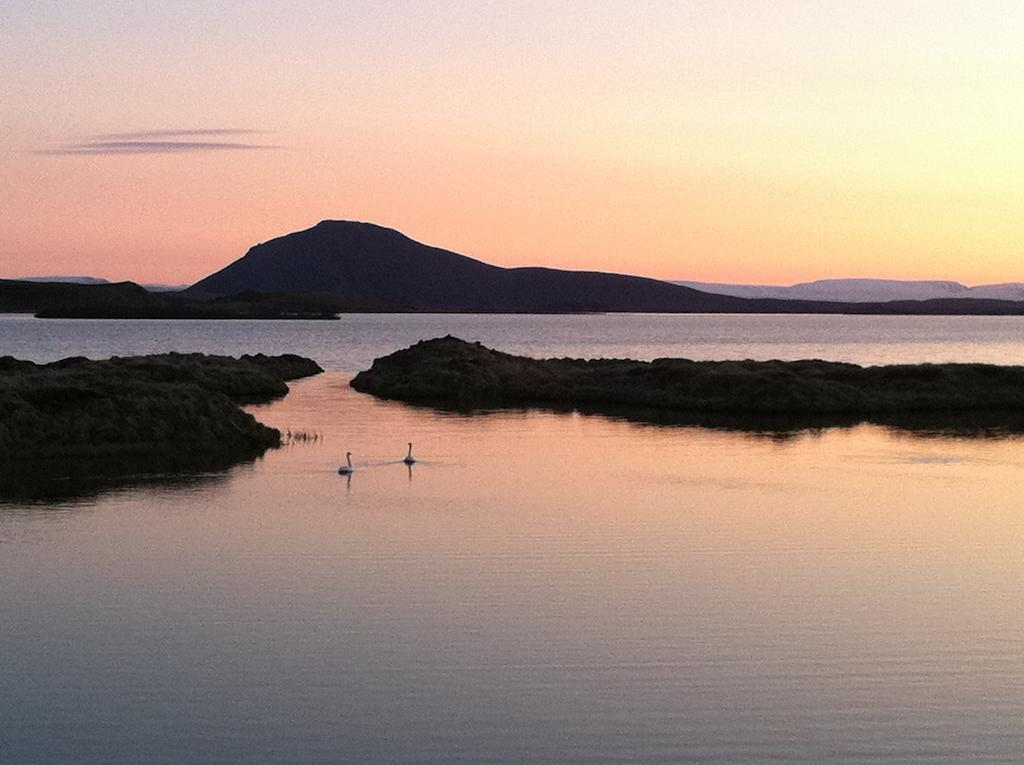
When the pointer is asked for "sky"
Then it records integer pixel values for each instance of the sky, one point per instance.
(719, 140)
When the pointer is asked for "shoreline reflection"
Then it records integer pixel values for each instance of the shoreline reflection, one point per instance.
(44, 481)
(959, 425)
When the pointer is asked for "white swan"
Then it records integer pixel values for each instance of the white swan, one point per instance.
(347, 468)
(409, 459)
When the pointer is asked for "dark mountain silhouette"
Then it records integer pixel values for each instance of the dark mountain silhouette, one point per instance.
(363, 261)
(366, 263)
(338, 266)
(36, 296)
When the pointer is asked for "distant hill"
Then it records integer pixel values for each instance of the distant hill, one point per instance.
(364, 262)
(864, 290)
(62, 279)
(125, 298)
(164, 287)
(96, 280)
(342, 266)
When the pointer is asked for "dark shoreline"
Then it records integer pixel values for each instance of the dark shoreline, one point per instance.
(167, 405)
(453, 373)
(126, 301)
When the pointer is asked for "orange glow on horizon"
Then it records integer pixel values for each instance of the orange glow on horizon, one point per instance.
(719, 142)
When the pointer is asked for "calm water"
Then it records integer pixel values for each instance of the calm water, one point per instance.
(351, 344)
(541, 586)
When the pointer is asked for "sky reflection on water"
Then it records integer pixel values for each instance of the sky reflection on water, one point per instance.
(541, 586)
(546, 587)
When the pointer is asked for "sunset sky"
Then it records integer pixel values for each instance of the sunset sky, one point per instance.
(717, 140)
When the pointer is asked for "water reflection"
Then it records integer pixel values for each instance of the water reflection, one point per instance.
(957, 425)
(551, 588)
(43, 481)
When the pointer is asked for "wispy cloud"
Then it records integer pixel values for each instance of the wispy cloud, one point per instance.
(146, 142)
(145, 135)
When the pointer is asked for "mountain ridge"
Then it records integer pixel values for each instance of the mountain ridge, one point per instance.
(362, 261)
(96, 280)
(864, 290)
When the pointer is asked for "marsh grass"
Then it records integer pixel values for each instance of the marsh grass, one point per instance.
(301, 437)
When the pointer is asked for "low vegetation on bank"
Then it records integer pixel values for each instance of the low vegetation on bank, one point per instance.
(454, 372)
(168, 404)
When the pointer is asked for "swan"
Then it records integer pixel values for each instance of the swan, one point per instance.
(347, 468)
(409, 459)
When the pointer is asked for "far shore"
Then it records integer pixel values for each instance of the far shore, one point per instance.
(127, 300)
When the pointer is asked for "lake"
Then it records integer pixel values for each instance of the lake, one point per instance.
(540, 586)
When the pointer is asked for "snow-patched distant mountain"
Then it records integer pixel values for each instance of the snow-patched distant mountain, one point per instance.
(863, 290)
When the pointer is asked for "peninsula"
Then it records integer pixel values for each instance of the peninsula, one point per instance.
(450, 371)
(141, 406)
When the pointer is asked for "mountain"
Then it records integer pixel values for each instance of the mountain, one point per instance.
(1006, 291)
(343, 266)
(363, 261)
(369, 264)
(864, 290)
